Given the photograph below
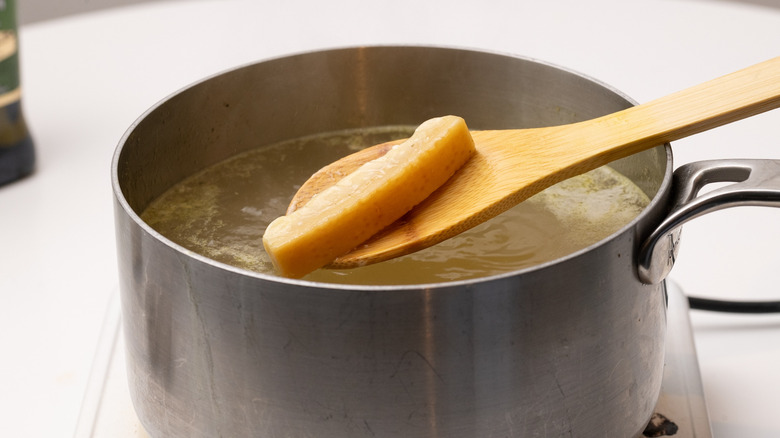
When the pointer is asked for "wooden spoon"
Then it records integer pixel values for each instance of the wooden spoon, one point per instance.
(512, 165)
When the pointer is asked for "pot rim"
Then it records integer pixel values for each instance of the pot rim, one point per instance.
(122, 201)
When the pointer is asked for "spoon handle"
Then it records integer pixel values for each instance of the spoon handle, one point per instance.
(729, 98)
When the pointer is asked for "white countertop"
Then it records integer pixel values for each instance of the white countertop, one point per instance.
(86, 78)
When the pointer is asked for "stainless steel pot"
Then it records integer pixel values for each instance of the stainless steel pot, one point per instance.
(569, 348)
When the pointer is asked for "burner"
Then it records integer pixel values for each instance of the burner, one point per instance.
(660, 426)
(681, 412)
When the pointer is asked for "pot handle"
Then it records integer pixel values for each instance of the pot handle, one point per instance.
(756, 183)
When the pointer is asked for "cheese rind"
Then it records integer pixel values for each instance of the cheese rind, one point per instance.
(364, 202)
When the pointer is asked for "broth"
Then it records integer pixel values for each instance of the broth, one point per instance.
(222, 213)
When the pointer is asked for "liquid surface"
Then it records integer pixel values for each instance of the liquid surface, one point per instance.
(222, 212)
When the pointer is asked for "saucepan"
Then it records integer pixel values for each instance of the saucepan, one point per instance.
(571, 347)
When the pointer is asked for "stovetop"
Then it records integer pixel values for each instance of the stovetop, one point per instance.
(681, 412)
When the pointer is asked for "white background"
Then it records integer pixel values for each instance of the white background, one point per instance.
(87, 77)
(36, 10)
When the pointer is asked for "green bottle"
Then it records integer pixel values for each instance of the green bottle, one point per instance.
(17, 152)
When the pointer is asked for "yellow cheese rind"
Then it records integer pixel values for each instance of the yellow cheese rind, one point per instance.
(364, 202)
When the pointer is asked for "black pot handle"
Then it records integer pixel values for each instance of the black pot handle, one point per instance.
(756, 183)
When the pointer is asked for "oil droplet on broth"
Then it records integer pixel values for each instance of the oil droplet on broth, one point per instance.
(222, 213)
